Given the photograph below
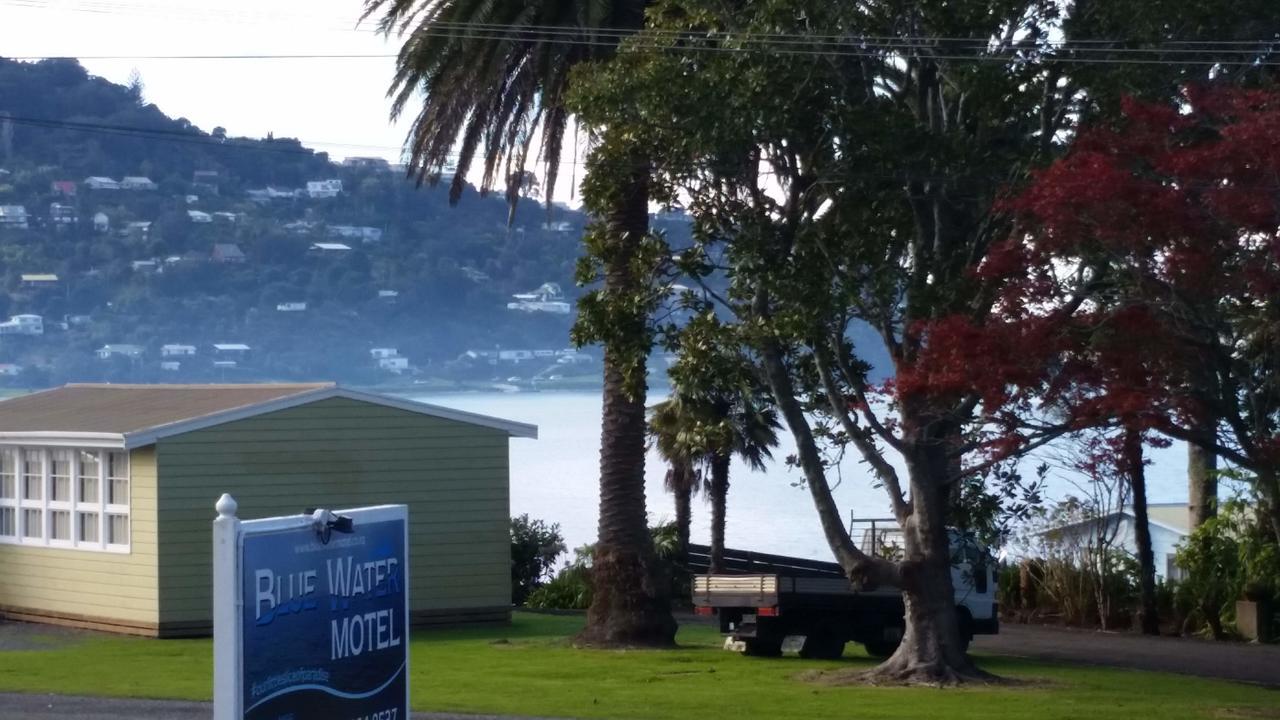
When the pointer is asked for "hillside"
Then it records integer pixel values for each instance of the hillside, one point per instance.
(241, 241)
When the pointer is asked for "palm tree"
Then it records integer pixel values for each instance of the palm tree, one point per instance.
(667, 422)
(494, 82)
(742, 426)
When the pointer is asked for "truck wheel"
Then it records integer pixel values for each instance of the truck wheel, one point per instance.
(762, 647)
(880, 648)
(822, 647)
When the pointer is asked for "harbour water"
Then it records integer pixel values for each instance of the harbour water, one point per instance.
(555, 478)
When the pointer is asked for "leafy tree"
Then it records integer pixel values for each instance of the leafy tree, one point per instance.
(841, 185)
(487, 93)
(535, 546)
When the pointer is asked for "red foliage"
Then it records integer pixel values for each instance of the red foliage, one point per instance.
(1173, 212)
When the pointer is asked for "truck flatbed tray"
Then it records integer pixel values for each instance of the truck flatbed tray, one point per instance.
(745, 562)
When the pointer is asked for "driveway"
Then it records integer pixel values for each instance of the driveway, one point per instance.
(1203, 658)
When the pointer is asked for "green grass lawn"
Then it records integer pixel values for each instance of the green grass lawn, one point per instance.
(529, 668)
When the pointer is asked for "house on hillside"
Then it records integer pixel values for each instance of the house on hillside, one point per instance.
(317, 189)
(206, 180)
(101, 223)
(231, 351)
(396, 364)
(26, 324)
(389, 296)
(1170, 524)
(106, 352)
(325, 248)
(114, 487)
(138, 183)
(291, 307)
(368, 163)
(227, 253)
(61, 214)
(13, 217)
(177, 350)
(547, 298)
(383, 352)
(366, 235)
(10, 370)
(66, 188)
(39, 281)
(136, 229)
(170, 365)
(101, 183)
(199, 217)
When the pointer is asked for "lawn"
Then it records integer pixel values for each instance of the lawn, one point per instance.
(529, 668)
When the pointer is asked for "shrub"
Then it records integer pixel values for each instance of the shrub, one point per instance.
(570, 589)
(535, 547)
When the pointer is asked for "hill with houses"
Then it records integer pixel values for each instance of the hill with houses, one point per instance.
(138, 247)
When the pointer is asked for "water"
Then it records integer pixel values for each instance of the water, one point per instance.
(555, 478)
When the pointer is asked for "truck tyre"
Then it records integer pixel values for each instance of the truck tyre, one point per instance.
(822, 647)
(964, 623)
(881, 647)
(762, 647)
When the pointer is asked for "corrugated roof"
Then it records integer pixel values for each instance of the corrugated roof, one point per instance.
(139, 415)
(123, 409)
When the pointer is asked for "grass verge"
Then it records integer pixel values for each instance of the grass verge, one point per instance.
(530, 669)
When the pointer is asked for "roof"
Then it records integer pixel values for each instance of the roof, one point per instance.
(39, 277)
(132, 416)
(329, 246)
(230, 346)
(1174, 517)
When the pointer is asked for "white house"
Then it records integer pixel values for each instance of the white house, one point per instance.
(62, 214)
(130, 351)
(322, 248)
(199, 217)
(138, 183)
(145, 266)
(362, 233)
(13, 217)
(547, 298)
(39, 281)
(230, 351)
(23, 325)
(388, 295)
(101, 223)
(1170, 524)
(101, 183)
(291, 307)
(393, 364)
(383, 352)
(324, 188)
(227, 216)
(170, 365)
(175, 350)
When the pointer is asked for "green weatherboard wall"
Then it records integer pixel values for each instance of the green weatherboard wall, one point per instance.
(338, 453)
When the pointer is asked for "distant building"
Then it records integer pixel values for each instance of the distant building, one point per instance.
(225, 364)
(262, 195)
(39, 281)
(560, 227)
(13, 217)
(300, 227)
(192, 199)
(66, 188)
(206, 180)
(227, 216)
(1170, 524)
(547, 298)
(393, 364)
(174, 350)
(23, 325)
(60, 214)
(138, 183)
(227, 253)
(230, 350)
(291, 307)
(323, 248)
(101, 223)
(145, 266)
(101, 183)
(389, 295)
(317, 189)
(133, 352)
(170, 365)
(137, 229)
(10, 370)
(199, 217)
(383, 352)
(370, 163)
(515, 356)
(364, 234)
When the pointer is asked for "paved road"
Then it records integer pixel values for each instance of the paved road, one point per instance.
(1204, 658)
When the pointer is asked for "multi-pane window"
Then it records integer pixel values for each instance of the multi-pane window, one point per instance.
(64, 497)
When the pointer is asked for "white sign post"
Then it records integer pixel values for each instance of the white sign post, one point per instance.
(311, 615)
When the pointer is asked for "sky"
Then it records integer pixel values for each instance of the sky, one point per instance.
(337, 106)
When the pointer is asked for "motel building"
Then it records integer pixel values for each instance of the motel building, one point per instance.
(107, 495)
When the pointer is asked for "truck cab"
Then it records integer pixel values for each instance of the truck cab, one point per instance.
(764, 601)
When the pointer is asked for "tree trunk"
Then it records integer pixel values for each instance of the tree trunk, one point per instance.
(684, 514)
(933, 649)
(1202, 483)
(630, 604)
(1133, 462)
(719, 502)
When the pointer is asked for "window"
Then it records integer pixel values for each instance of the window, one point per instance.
(64, 497)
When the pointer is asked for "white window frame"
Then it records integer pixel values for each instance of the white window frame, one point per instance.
(74, 506)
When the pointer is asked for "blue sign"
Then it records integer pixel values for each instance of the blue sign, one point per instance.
(325, 631)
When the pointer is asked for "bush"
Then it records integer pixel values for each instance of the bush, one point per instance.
(535, 547)
(571, 587)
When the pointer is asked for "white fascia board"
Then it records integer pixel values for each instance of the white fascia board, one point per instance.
(149, 436)
(64, 439)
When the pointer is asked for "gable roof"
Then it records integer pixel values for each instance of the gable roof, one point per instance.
(132, 416)
(1174, 517)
